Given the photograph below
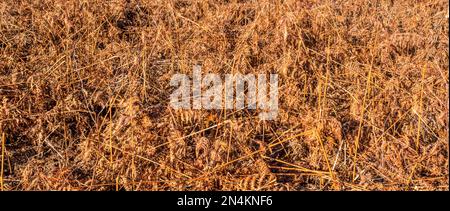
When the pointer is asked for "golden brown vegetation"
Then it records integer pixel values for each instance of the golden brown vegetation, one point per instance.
(84, 90)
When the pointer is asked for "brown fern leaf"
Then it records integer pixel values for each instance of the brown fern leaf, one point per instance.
(257, 182)
(335, 127)
(201, 147)
(219, 149)
(262, 166)
(177, 145)
(187, 117)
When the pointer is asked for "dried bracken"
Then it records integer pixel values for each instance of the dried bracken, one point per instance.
(363, 95)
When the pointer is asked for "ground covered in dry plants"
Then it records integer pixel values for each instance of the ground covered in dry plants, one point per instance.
(363, 95)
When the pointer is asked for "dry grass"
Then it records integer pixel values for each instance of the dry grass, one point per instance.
(84, 90)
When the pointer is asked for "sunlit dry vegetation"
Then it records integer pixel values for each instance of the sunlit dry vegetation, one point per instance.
(363, 95)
